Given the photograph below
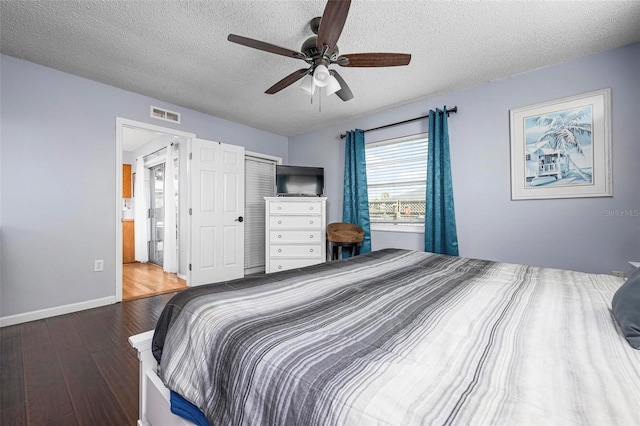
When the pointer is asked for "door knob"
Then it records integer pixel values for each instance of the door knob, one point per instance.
(239, 219)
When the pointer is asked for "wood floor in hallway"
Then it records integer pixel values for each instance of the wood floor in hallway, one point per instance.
(147, 279)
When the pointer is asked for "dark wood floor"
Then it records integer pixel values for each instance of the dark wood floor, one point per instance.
(75, 369)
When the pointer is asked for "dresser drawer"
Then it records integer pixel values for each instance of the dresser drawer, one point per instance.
(295, 232)
(296, 250)
(285, 264)
(278, 237)
(296, 208)
(311, 222)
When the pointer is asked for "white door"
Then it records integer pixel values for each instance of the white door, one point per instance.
(217, 210)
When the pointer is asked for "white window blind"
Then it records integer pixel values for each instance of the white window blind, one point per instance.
(260, 182)
(396, 181)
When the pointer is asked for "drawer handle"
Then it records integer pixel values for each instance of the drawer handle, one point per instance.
(311, 236)
(279, 208)
(279, 236)
(279, 250)
(310, 250)
(279, 266)
(310, 222)
(279, 222)
(311, 208)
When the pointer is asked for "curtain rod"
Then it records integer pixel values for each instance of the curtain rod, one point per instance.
(446, 111)
(158, 150)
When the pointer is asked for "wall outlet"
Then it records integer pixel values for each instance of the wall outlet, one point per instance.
(98, 265)
(618, 274)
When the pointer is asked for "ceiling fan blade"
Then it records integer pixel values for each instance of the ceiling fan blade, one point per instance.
(344, 93)
(375, 59)
(267, 47)
(287, 81)
(332, 22)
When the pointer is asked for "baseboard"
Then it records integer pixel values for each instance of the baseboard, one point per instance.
(58, 310)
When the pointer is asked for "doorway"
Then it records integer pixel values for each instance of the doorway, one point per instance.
(157, 249)
(144, 279)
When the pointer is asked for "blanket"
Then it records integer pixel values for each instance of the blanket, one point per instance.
(398, 337)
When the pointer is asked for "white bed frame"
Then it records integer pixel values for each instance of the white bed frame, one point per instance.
(154, 406)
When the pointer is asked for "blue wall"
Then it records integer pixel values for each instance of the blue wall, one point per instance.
(58, 177)
(564, 233)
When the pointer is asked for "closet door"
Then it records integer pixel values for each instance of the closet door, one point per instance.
(260, 182)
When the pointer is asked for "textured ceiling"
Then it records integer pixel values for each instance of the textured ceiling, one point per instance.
(177, 51)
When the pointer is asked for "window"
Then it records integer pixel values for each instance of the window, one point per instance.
(396, 180)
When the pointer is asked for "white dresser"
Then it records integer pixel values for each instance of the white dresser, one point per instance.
(295, 232)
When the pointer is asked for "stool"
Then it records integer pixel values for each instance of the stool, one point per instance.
(344, 235)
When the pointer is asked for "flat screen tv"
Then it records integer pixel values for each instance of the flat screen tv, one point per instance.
(299, 181)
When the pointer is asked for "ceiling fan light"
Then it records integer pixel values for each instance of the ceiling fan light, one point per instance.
(321, 76)
(307, 85)
(333, 86)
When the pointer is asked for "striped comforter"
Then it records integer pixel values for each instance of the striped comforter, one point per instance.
(397, 337)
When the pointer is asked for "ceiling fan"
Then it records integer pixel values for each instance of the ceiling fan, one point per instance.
(320, 51)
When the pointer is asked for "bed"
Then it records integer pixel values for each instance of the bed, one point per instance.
(394, 337)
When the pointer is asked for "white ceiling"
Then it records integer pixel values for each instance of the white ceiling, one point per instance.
(133, 137)
(177, 51)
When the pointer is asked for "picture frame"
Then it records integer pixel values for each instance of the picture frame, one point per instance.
(562, 148)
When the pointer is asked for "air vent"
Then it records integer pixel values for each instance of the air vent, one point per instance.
(166, 115)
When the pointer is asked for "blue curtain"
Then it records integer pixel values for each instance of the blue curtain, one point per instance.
(355, 207)
(440, 234)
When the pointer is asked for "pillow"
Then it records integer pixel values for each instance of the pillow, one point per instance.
(626, 308)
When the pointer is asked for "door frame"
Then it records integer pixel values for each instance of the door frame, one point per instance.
(121, 123)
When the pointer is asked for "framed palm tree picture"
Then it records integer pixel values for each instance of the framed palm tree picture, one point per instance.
(562, 148)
